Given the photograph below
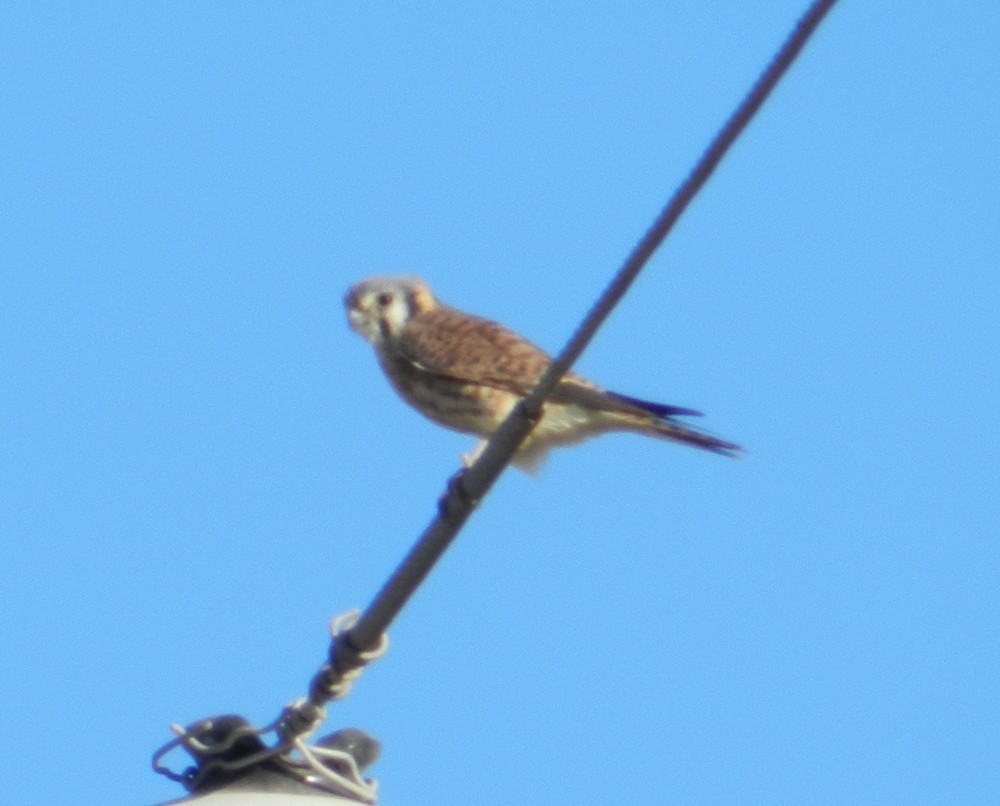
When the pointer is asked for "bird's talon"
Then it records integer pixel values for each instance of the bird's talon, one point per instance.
(455, 495)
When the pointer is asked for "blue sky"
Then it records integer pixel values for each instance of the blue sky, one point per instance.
(200, 463)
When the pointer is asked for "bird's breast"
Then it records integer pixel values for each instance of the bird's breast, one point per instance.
(455, 403)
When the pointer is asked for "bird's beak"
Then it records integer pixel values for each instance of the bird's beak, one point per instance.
(356, 316)
(351, 300)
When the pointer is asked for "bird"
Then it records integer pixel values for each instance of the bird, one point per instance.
(466, 373)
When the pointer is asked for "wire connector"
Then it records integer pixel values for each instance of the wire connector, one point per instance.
(228, 748)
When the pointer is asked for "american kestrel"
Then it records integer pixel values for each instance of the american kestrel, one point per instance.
(466, 373)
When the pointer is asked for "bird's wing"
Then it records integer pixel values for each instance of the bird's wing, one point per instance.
(575, 389)
(447, 342)
(456, 345)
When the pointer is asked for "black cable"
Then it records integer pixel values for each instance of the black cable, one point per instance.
(468, 488)
(353, 648)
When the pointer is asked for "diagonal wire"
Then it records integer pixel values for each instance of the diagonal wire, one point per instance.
(468, 487)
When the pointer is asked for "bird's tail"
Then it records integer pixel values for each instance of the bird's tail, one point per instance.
(665, 425)
(668, 428)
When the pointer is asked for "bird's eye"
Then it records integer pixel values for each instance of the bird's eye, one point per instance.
(385, 299)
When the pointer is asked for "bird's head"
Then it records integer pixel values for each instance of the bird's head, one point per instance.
(379, 308)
